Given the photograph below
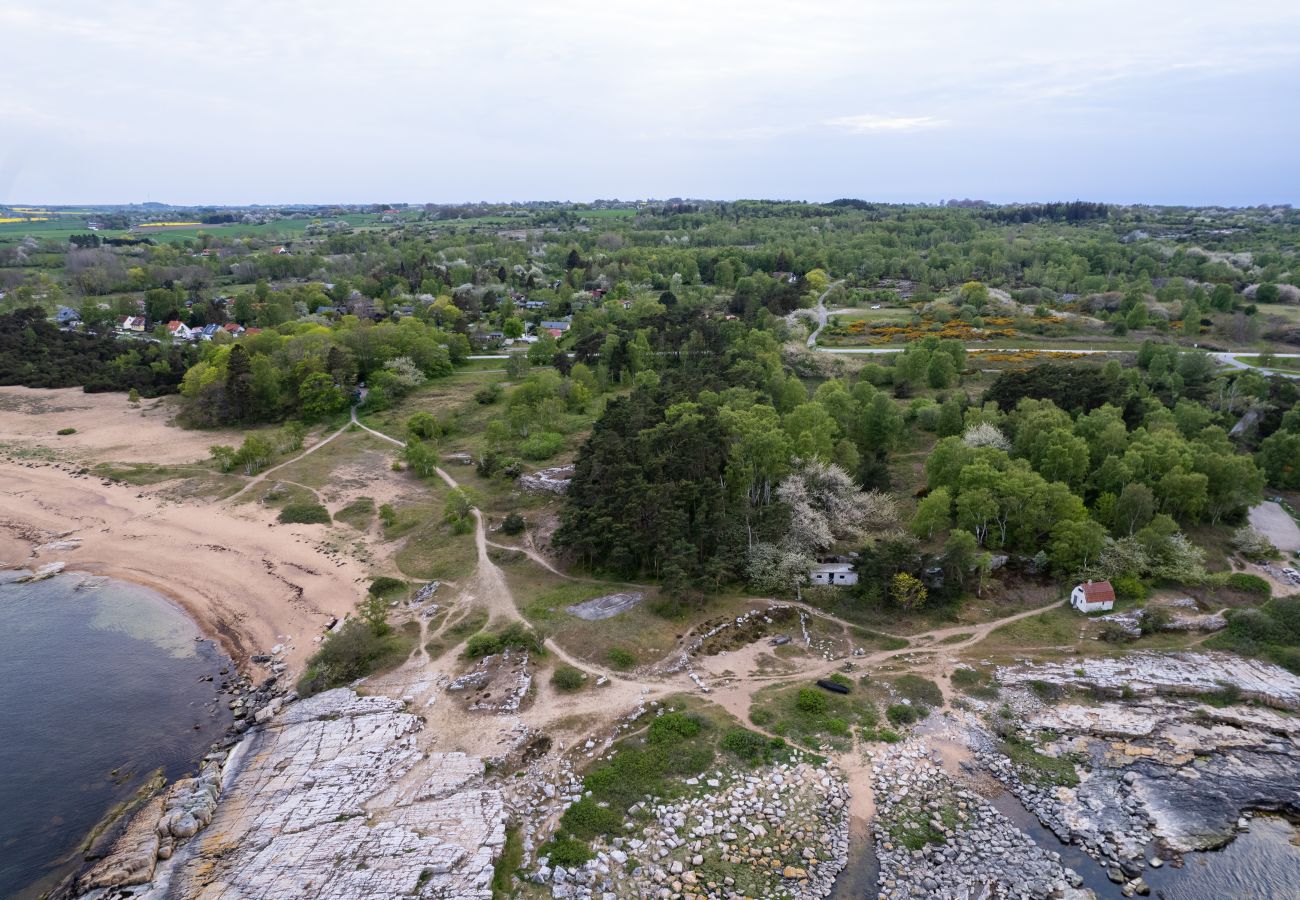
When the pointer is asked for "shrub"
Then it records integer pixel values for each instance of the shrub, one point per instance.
(1129, 587)
(567, 678)
(1253, 544)
(515, 635)
(388, 515)
(513, 524)
(585, 819)
(811, 701)
(384, 585)
(541, 446)
(889, 735)
(1154, 619)
(305, 513)
(488, 394)
(1248, 584)
(919, 690)
(620, 658)
(66, 431)
(902, 714)
(673, 727)
(352, 652)
(749, 745)
(563, 850)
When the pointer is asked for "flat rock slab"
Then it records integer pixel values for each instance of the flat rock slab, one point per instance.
(605, 607)
(335, 801)
(1274, 522)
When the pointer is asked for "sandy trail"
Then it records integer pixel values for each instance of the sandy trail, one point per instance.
(246, 581)
(263, 476)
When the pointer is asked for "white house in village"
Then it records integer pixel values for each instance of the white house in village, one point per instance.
(179, 331)
(836, 573)
(1093, 596)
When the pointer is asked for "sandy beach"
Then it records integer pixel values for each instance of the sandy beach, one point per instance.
(249, 582)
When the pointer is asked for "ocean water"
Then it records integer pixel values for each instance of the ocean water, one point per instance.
(101, 685)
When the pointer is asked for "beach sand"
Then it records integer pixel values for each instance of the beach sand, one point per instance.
(247, 581)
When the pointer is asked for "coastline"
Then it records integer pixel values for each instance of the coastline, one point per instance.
(248, 582)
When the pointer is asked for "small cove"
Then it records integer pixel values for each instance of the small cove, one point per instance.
(102, 684)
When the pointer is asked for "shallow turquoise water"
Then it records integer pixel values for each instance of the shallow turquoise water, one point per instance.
(101, 684)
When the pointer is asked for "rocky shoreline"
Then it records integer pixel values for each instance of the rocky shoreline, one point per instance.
(936, 838)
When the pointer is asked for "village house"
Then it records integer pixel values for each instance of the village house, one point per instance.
(840, 574)
(207, 331)
(66, 315)
(234, 329)
(1093, 596)
(561, 325)
(131, 323)
(179, 331)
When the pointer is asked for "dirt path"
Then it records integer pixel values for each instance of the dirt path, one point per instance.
(821, 312)
(263, 476)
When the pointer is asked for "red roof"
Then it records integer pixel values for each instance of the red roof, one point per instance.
(173, 325)
(1098, 592)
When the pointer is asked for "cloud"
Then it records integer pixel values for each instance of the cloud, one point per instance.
(872, 124)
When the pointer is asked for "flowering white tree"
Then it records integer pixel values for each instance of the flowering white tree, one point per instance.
(985, 435)
(826, 505)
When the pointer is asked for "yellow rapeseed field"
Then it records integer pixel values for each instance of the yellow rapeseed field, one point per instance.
(9, 220)
(167, 224)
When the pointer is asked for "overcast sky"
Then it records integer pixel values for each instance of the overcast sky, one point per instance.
(268, 101)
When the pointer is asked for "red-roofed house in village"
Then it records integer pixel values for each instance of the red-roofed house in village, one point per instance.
(179, 330)
(1093, 596)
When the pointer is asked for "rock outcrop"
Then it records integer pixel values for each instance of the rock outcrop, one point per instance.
(332, 799)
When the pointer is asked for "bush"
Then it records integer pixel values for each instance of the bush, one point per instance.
(541, 446)
(563, 850)
(513, 524)
(305, 513)
(388, 515)
(1128, 587)
(889, 735)
(673, 727)
(811, 701)
(919, 690)
(748, 745)
(585, 820)
(1248, 584)
(66, 431)
(383, 586)
(352, 652)
(1155, 619)
(515, 635)
(902, 714)
(567, 678)
(488, 394)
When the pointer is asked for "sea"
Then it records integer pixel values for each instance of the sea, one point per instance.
(102, 685)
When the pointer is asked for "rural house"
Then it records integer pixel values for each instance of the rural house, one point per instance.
(131, 323)
(1093, 596)
(836, 573)
(179, 331)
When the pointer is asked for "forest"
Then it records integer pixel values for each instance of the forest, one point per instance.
(666, 349)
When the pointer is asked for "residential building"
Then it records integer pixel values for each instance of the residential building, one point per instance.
(840, 574)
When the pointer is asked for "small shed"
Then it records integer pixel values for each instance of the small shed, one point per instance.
(1093, 596)
(839, 574)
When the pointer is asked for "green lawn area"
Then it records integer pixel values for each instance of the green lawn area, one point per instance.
(1282, 364)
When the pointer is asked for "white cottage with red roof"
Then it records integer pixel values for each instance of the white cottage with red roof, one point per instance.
(1093, 596)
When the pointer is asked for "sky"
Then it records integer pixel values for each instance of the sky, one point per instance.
(322, 101)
